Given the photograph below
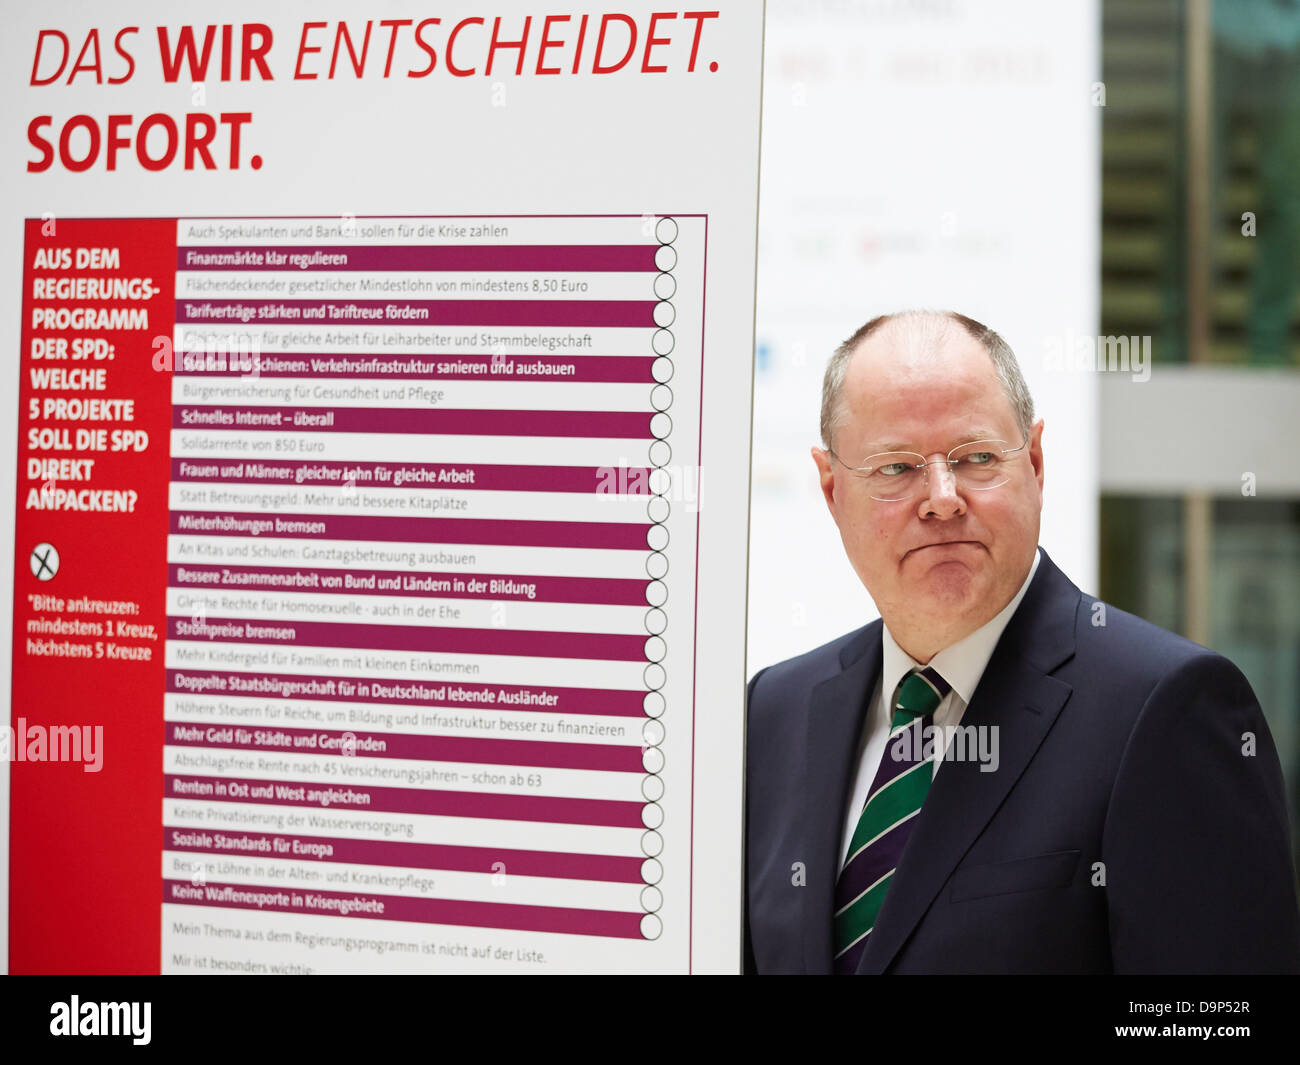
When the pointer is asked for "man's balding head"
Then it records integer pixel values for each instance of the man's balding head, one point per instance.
(913, 335)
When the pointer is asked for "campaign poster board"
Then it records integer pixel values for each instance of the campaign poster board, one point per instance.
(368, 615)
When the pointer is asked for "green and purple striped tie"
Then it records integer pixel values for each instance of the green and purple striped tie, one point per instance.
(897, 793)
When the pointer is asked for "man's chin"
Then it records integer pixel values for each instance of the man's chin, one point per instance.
(950, 581)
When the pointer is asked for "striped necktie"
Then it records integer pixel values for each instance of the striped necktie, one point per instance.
(897, 792)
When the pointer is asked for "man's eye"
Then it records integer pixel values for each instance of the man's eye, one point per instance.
(979, 458)
(894, 469)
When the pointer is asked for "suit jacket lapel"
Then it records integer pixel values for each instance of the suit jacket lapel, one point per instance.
(836, 714)
(1016, 695)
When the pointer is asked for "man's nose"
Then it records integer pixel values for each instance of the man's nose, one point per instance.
(941, 497)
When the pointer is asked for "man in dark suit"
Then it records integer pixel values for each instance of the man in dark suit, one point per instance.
(1002, 774)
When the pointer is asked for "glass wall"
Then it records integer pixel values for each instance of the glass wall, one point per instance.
(1200, 197)
(1201, 251)
(1254, 149)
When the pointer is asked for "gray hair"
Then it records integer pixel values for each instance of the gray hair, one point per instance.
(928, 325)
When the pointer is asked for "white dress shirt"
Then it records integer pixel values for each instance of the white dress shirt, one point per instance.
(961, 665)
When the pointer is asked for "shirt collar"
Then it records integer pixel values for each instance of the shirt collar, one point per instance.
(961, 664)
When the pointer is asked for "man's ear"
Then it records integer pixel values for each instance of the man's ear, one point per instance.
(1036, 451)
(826, 475)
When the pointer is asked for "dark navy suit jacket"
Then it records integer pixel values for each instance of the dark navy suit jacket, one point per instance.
(1130, 826)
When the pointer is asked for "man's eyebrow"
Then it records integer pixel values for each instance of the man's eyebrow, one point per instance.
(965, 438)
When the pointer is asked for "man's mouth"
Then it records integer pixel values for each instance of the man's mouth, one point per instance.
(943, 543)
